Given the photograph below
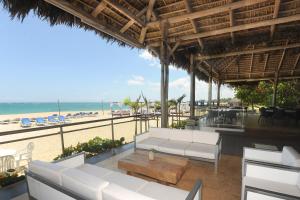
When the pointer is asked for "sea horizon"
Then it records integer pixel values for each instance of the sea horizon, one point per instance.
(8, 108)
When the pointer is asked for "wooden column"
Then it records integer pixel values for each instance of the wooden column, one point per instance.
(275, 90)
(209, 88)
(192, 87)
(218, 93)
(164, 76)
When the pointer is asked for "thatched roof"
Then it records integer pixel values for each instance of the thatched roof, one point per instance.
(234, 40)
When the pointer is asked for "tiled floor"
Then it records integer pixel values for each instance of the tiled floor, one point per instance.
(225, 185)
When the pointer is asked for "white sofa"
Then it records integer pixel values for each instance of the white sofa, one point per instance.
(73, 179)
(269, 182)
(195, 144)
(287, 157)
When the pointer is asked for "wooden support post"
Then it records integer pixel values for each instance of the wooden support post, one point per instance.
(157, 121)
(62, 139)
(112, 130)
(164, 75)
(275, 90)
(218, 93)
(135, 124)
(192, 87)
(141, 125)
(209, 89)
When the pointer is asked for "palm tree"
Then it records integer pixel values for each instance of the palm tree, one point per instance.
(147, 107)
(179, 101)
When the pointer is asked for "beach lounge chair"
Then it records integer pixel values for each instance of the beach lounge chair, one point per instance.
(40, 121)
(61, 119)
(15, 121)
(25, 122)
(52, 120)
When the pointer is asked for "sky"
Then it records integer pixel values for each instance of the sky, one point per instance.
(43, 63)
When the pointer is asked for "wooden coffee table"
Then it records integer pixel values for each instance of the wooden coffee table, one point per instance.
(164, 168)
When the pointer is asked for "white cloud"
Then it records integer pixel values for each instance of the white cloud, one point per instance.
(136, 80)
(180, 83)
(152, 61)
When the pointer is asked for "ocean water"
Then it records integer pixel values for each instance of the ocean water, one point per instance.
(23, 108)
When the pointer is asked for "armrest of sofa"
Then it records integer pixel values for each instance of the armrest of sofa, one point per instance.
(272, 172)
(262, 155)
(195, 193)
(72, 161)
(142, 136)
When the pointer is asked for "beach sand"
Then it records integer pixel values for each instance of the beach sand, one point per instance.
(47, 148)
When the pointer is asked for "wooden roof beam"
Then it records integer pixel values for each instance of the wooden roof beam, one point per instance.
(266, 63)
(242, 27)
(258, 73)
(250, 51)
(260, 79)
(131, 22)
(189, 10)
(125, 12)
(208, 12)
(101, 6)
(148, 17)
(251, 64)
(275, 15)
(201, 69)
(90, 20)
(231, 19)
(211, 67)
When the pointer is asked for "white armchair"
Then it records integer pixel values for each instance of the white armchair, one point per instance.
(24, 155)
(6, 162)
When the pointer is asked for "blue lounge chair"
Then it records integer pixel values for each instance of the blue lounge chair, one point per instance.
(61, 119)
(40, 121)
(52, 120)
(25, 122)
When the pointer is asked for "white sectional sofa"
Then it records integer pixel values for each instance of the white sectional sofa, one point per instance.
(271, 175)
(196, 144)
(73, 179)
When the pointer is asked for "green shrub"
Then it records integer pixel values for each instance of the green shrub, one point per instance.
(92, 147)
(179, 125)
(8, 180)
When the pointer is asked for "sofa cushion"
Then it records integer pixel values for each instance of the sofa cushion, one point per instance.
(205, 137)
(116, 192)
(181, 135)
(201, 150)
(150, 143)
(94, 170)
(143, 136)
(162, 192)
(83, 183)
(128, 182)
(50, 171)
(173, 147)
(290, 157)
(163, 133)
(273, 186)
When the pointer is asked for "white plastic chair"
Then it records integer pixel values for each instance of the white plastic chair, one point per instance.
(6, 162)
(24, 155)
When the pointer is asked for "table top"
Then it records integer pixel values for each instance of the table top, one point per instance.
(166, 168)
(7, 152)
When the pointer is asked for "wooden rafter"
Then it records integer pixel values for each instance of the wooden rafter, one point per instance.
(148, 17)
(101, 6)
(189, 10)
(125, 12)
(257, 73)
(281, 60)
(260, 79)
(250, 51)
(90, 20)
(231, 19)
(208, 12)
(131, 22)
(211, 67)
(251, 64)
(275, 15)
(266, 63)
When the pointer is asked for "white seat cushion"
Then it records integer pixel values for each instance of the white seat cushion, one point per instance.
(96, 171)
(116, 192)
(201, 150)
(47, 170)
(163, 133)
(257, 196)
(84, 184)
(205, 137)
(173, 147)
(150, 143)
(162, 192)
(278, 187)
(181, 135)
(290, 157)
(128, 182)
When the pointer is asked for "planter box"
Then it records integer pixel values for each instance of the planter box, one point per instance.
(13, 190)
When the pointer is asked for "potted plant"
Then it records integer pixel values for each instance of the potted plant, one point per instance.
(151, 154)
